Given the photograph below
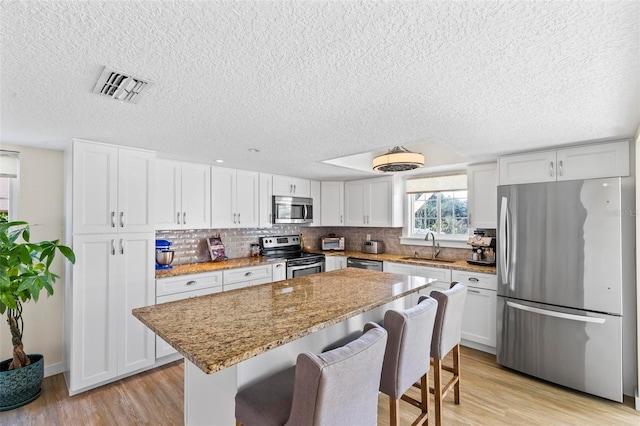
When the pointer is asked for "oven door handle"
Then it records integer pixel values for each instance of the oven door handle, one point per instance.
(304, 263)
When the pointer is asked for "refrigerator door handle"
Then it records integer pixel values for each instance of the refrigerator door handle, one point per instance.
(504, 249)
(555, 314)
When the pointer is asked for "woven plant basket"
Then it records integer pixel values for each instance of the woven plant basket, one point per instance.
(20, 387)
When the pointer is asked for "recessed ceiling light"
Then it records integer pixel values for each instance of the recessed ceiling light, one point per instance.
(219, 161)
(254, 150)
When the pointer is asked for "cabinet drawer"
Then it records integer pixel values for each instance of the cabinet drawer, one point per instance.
(191, 282)
(475, 279)
(440, 274)
(187, 294)
(231, 276)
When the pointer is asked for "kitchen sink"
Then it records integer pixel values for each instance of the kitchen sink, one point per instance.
(429, 259)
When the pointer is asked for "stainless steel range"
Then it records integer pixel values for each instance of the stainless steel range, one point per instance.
(288, 247)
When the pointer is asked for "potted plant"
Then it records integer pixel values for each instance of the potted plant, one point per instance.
(24, 272)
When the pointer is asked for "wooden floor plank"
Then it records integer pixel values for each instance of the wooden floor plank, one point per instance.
(490, 395)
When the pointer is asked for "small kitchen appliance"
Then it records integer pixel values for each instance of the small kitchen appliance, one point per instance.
(164, 254)
(287, 210)
(299, 263)
(483, 245)
(331, 242)
(373, 247)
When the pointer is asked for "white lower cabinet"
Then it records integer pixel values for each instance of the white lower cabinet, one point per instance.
(479, 319)
(279, 272)
(233, 279)
(184, 287)
(114, 274)
(335, 262)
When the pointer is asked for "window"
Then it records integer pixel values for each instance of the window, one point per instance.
(4, 199)
(9, 165)
(443, 213)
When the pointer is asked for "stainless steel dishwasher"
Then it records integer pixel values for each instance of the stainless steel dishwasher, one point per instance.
(354, 262)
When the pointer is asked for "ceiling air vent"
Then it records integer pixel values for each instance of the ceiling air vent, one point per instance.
(120, 86)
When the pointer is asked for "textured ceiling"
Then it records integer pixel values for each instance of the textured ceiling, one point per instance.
(309, 81)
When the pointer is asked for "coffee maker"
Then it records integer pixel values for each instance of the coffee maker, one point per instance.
(164, 254)
(483, 247)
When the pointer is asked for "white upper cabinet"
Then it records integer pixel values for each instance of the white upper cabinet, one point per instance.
(332, 208)
(373, 202)
(291, 186)
(113, 189)
(482, 182)
(234, 198)
(265, 194)
(183, 195)
(317, 203)
(580, 162)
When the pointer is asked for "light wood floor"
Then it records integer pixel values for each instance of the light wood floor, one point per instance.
(491, 395)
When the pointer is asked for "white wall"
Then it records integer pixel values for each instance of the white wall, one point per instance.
(41, 204)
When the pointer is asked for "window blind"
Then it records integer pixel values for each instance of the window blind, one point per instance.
(437, 183)
(9, 164)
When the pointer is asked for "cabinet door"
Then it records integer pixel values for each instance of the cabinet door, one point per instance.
(231, 276)
(247, 199)
(354, 202)
(168, 188)
(329, 263)
(341, 262)
(282, 185)
(93, 317)
(479, 318)
(482, 196)
(95, 188)
(475, 279)
(398, 268)
(223, 189)
(135, 286)
(136, 190)
(196, 196)
(279, 272)
(235, 286)
(594, 161)
(332, 197)
(266, 200)
(317, 203)
(527, 168)
(378, 198)
(301, 187)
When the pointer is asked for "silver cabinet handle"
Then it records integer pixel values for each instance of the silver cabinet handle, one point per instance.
(473, 279)
(279, 265)
(294, 189)
(560, 168)
(248, 274)
(113, 219)
(556, 314)
(367, 218)
(184, 218)
(113, 247)
(193, 282)
(290, 189)
(551, 168)
(340, 218)
(121, 246)
(178, 217)
(234, 218)
(238, 218)
(269, 217)
(364, 219)
(470, 290)
(121, 219)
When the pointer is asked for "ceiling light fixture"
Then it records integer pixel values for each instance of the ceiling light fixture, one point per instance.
(398, 159)
(219, 161)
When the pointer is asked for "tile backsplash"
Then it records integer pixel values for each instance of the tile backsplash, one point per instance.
(190, 246)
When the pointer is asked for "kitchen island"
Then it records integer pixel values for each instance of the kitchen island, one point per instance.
(232, 339)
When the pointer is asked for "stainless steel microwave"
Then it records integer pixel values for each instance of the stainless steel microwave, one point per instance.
(292, 209)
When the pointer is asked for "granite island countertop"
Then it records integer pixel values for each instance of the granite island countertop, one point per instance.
(219, 330)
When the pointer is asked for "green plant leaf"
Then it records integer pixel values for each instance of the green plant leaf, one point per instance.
(68, 253)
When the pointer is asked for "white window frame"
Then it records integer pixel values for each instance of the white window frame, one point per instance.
(14, 192)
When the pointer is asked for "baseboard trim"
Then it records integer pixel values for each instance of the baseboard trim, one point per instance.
(53, 369)
(479, 346)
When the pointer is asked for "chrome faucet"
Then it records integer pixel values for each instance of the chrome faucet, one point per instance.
(434, 252)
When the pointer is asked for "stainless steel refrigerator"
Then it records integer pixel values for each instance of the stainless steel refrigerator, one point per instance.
(559, 247)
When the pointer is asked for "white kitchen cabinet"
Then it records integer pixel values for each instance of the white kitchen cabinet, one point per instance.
(244, 277)
(184, 287)
(317, 203)
(279, 272)
(113, 189)
(579, 162)
(183, 195)
(265, 194)
(374, 202)
(333, 263)
(482, 182)
(234, 198)
(113, 275)
(479, 318)
(443, 275)
(291, 186)
(332, 196)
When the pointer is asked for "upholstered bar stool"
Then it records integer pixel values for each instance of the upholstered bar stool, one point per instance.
(406, 359)
(446, 338)
(338, 387)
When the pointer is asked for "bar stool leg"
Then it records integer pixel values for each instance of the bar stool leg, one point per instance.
(456, 372)
(394, 410)
(437, 389)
